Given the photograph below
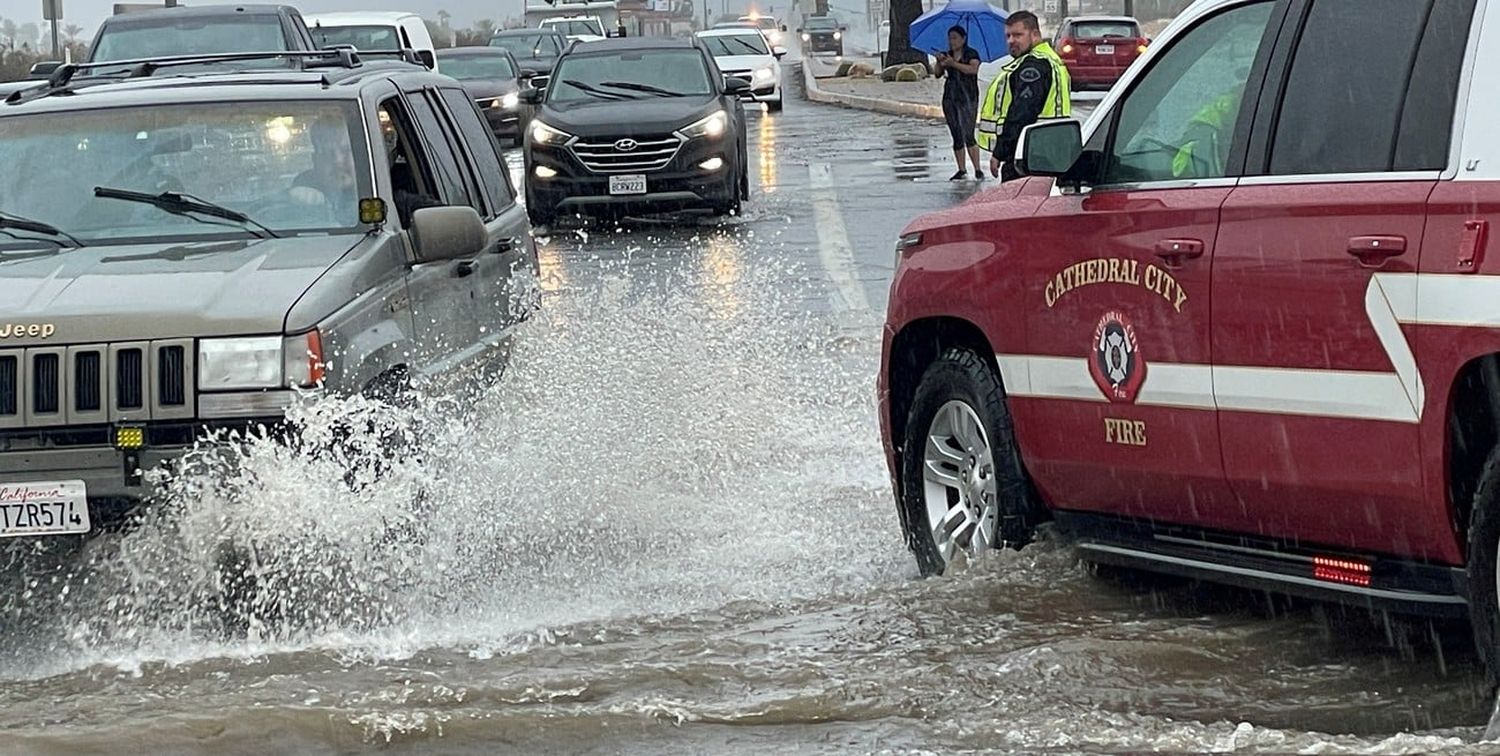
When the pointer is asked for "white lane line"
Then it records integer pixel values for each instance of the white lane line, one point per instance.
(833, 241)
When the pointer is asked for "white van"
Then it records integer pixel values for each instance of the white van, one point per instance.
(374, 30)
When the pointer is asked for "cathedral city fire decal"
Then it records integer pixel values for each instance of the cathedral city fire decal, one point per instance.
(1116, 362)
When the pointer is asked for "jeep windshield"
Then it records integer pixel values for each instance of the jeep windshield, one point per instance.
(360, 37)
(288, 167)
(630, 75)
(162, 36)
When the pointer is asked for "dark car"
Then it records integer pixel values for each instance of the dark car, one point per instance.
(636, 124)
(201, 30)
(823, 34)
(490, 75)
(535, 50)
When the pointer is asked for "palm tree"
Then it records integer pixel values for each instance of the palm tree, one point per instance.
(71, 32)
(485, 28)
(444, 19)
(8, 31)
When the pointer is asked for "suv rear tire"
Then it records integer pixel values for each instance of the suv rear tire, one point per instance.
(963, 488)
(1483, 560)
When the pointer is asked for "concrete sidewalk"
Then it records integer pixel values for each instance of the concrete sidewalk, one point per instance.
(920, 99)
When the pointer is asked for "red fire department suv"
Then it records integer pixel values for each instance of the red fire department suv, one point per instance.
(1243, 326)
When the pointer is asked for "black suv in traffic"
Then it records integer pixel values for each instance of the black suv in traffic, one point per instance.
(636, 124)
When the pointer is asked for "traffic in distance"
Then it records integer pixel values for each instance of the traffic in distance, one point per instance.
(1230, 328)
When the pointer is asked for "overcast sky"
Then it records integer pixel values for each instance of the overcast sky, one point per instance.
(88, 13)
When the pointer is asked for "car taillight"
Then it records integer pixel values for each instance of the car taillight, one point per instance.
(1346, 571)
(1140, 47)
(1067, 47)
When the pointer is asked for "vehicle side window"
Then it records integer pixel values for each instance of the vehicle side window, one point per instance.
(1178, 121)
(447, 167)
(1432, 96)
(1372, 85)
(411, 174)
(486, 152)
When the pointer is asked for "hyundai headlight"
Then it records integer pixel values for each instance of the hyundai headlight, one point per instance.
(260, 362)
(541, 133)
(510, 101)
(711, 126)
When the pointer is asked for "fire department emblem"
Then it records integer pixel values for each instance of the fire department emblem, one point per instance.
(1116, 363)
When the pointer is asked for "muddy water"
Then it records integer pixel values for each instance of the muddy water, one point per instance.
(667, 530)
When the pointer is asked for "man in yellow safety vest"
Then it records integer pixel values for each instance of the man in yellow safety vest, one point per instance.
(1033, 85)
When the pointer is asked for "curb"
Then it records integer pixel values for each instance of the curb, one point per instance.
(891, 107)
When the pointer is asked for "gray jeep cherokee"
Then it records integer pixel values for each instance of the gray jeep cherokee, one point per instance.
(181, 252)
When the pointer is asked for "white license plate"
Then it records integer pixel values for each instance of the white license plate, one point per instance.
(1104, 49)
(51, 508)
(631, 184)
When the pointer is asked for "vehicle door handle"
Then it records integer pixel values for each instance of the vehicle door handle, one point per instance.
(1175, 251)
(505, 245)
(1373, 251)
(464, 269)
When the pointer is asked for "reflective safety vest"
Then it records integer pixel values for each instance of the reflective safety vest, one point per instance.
(1059, 99)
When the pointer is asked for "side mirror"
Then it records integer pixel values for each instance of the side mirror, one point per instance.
(735, 86)
(532, 95)
(447, 233)
(779, 52)
(427, 58)
(529, 73)
(799, 30)
(1049, 148)
(783, 28)
(44, 69)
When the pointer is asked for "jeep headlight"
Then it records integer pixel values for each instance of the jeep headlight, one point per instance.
(260, 362)
(710, 126)
(510, 101)
(838, 35)
(541, 133)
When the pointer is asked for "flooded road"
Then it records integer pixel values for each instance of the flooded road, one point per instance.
(669, 530)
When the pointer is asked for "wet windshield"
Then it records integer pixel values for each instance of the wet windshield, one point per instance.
(577, 27)
(361, 37)
(738, 44)
(630, 75)
(527, 45)
(291, 166)
(155, 38)
(477, 67)
(822, 23)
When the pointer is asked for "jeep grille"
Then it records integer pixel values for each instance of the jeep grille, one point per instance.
(92, 384)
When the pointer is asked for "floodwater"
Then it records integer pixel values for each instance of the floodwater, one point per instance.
(668, 529)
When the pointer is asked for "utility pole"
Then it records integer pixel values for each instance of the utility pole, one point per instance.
(52, 12)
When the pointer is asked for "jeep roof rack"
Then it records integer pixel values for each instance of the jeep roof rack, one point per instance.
(63, 79)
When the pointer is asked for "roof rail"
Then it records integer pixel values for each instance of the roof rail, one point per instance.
(63, 77)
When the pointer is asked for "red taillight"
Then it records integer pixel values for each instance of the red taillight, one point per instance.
(1344, 571)
(1140, 46)
(1067, 47)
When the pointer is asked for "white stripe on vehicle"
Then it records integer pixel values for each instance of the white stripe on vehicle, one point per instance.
(1391, 299)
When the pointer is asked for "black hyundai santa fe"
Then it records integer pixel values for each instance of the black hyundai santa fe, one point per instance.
(636, 124)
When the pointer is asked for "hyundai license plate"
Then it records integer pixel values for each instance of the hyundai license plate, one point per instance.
(634, 183)
(1105, 49)
(53, 508)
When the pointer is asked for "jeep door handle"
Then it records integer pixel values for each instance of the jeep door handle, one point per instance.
(1373, 251)
(464, 269)
(1176, 251)
(506, 245)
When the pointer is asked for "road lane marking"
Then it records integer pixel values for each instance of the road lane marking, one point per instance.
(833, 241)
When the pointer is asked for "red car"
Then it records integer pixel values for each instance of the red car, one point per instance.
(1098, 49)
(1234, 328)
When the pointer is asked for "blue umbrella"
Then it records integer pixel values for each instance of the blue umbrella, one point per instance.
(984, 22)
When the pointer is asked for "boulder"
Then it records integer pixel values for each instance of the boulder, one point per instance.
(861, 70)
(906, 74)
(843, 69)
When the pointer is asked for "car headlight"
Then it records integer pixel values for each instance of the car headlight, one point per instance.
(838, 35)
(764, 74)
(260, 362)
(510, 101)
(806, 37)
(541, 133)
(710, 126)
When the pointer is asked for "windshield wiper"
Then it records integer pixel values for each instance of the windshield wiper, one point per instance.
(8, 221)
(647, 88)
(187, 206)
(595, 91)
